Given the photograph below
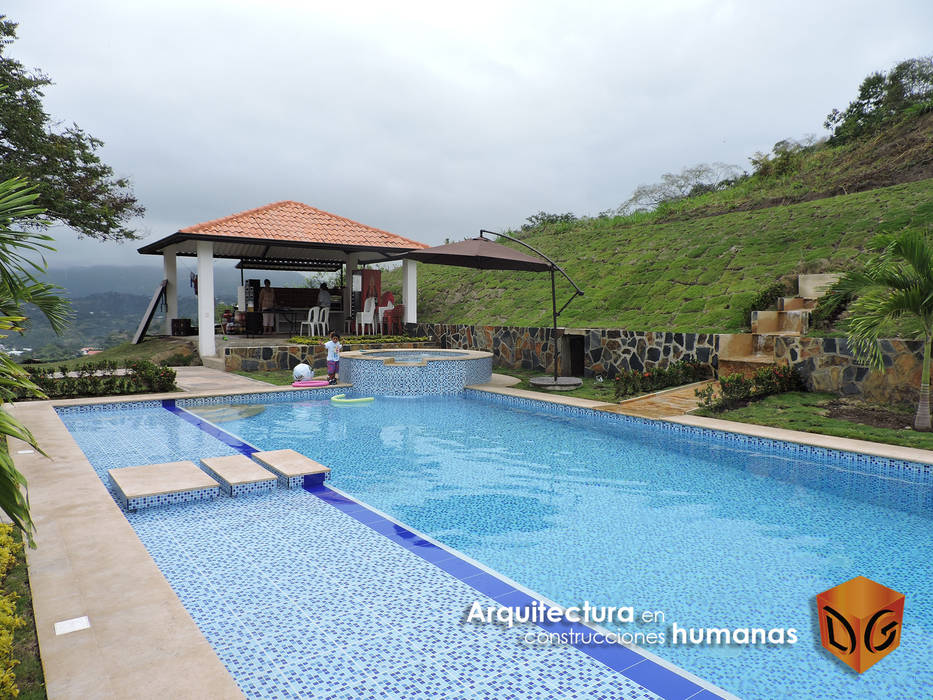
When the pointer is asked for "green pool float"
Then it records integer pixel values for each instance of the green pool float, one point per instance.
(342, 398)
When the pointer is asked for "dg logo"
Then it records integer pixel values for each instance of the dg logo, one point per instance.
(860, 621)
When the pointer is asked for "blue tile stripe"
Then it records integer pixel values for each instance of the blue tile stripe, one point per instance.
(647, 673)
(209, 428)
(644, 671)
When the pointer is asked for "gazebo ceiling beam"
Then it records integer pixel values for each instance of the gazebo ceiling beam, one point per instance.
(288, 264)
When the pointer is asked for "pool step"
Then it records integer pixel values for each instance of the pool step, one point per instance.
(292, 468)
(152, 485)
(239, 475)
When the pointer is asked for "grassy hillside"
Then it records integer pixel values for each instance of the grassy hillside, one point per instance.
(688, 274)
(899, 154)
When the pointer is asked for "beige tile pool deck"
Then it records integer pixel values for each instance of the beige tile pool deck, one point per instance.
(141, 642)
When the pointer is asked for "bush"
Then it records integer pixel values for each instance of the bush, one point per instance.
(766, 298)
(828, 310)
(101, 379)
(737, 389)
(178, 359)
(9, 620)
(630, 382)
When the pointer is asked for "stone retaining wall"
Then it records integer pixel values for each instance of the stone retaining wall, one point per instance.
(262, 358)
(828, 364)
(605, 351)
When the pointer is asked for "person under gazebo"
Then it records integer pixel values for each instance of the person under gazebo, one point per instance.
(266, 304)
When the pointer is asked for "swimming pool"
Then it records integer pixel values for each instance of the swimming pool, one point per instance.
(714, 530)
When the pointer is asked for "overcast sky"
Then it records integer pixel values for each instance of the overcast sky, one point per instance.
(436, 119)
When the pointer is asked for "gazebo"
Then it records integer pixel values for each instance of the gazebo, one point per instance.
(280, 236)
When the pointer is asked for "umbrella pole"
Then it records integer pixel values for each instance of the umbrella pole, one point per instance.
(554, 331)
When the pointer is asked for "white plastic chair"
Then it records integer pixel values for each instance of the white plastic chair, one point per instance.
(323, 321)
(366, 317)
(313, 320)
(382, 312)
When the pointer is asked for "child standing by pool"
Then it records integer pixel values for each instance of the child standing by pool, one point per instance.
(333, 357)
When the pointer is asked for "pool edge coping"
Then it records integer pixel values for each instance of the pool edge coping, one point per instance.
(139, 617)
(875, 449)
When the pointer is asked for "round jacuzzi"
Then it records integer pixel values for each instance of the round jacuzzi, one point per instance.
(415, 371)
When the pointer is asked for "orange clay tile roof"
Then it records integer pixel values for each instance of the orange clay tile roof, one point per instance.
(298, 223)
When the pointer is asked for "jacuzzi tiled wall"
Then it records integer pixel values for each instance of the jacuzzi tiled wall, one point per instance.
(372, 377)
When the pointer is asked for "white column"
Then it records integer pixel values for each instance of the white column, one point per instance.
(170, 273)
(206, 345)
(410, 290)
(348, 287)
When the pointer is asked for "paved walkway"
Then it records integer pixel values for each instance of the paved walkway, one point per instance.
(207, 379)
(663, 404)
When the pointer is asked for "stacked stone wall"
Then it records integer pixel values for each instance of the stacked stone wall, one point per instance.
(606, 351)
(828, 364)
(262, 358)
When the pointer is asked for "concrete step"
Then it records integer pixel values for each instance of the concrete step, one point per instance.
(815, 286)
(293, 469)
(238, 475)
(152, 485)
(795, 322)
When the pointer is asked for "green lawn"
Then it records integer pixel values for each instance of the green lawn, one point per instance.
(154, 349)
(807, 412)
(695, 275)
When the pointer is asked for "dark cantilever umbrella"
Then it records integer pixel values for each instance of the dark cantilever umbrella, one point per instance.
(483, 254)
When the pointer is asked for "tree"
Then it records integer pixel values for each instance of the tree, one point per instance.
(689, 182)
(896, 283)
(884, 98)
(19, 286)
(543, 218)
(75, 188)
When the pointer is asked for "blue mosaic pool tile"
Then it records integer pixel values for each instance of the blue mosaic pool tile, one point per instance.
(168, 499)
(436, 377)
(662, 681)
(100, 407)
(275, 599)
(313, 394)
(239, 490)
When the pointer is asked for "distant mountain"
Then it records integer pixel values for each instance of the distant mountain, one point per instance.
(108, 301)
(141, 279)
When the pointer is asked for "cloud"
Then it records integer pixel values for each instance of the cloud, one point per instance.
(433, 120)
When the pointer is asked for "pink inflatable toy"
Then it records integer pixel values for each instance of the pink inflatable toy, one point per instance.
(310, 382)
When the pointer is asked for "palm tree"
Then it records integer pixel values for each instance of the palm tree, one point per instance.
(18, 286)
(896, 285)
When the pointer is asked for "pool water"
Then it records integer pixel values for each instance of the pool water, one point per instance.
(414, 356)
(712, 533)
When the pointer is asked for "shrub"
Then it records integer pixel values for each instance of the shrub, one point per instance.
(630, 382)
(766, 298)
(828, 310)
(178, 359)
(737, 389)
(101, 379)
(9, 620)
